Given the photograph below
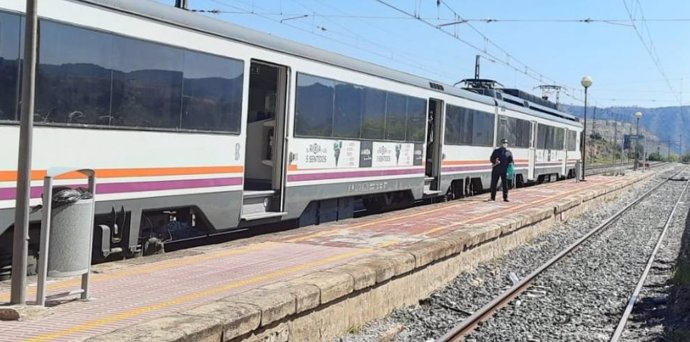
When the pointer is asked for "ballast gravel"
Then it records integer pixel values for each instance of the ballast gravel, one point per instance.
(471, 290)
(661, 311)
(584, 295)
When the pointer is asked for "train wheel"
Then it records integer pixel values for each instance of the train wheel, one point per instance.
(153, 246)
(456, 190)
(5, 266)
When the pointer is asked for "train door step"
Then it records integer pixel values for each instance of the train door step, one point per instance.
(250, 194)
(256, 205)
(263, 215)
(428, 191)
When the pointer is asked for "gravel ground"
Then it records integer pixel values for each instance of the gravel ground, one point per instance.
(677, 325)
(662, 312)
(470, 290)
(583, 297)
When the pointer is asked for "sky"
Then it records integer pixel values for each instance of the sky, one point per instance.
(640, 62)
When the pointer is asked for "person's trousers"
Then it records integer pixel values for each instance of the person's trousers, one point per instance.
(495, 175)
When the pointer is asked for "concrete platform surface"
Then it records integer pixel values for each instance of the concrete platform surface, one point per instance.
(231, 289)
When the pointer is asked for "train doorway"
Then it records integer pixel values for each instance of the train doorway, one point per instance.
(265, 144)
(532, 164)
(434, 157)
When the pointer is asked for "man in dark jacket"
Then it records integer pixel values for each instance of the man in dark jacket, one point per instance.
(500, 159)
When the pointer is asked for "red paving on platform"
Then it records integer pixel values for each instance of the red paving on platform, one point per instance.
(137, 293)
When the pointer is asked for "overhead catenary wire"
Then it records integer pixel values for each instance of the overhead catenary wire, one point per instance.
(509, 61)
(616, 21)
(359, 38)
(342, 33)
(521, 67)
(320, 33)
(649, 46)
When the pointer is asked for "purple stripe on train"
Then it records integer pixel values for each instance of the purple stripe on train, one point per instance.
(115, 188)
(475, 168)
(352, 174)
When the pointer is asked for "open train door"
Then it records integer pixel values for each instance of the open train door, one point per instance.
(264, 171)
(434, 139)
(531, 168)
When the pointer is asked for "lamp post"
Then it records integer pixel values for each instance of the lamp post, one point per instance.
(586, 83)
(638, 115)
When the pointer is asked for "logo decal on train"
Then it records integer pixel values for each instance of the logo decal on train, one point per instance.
(316, 153)
(383, 154)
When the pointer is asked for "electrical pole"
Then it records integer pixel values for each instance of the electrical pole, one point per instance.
(476, 68)
(615, 133)
(615, 143)
(594, 121)
(20, 247)
(183, 4)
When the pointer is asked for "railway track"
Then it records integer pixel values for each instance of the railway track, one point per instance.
(617, 167)
(461, 331)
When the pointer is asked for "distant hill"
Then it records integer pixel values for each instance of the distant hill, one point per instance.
(666, 123)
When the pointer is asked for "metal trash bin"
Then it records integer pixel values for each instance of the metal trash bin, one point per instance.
(66, 233)
(70, 234)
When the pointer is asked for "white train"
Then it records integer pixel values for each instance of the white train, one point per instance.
(195, 125)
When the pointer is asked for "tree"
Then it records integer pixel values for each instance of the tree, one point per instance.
(655, 156)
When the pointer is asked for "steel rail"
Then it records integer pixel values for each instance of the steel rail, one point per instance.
(633, 298)
(599, 169)
(467, 325)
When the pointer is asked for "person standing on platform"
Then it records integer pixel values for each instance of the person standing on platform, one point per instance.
(500, 159)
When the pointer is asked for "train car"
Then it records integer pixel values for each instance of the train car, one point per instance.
(196, 126)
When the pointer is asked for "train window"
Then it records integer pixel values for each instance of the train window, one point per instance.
(456, 122)
(88, 77)
(416, 119)
(549, 137)
(314, 106)
(396, 112)
(482, 129)
(73, 75)
(212, 100)
(347, 111)
(571, 141)
(374, 114)
(517, 131)
(506, 128)
(543, 132)
(558, 138)
(147, 84)
(332, 109)
(523, 130)
(468, 127)
(9, 65)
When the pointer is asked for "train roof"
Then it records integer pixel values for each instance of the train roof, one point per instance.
(194, 21)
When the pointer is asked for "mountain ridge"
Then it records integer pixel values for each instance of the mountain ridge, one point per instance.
(667, 123)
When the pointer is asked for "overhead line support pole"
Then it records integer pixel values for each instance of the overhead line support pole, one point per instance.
(20, 246)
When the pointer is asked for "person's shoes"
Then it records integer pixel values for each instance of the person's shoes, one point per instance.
(505, 200)
(491, 200)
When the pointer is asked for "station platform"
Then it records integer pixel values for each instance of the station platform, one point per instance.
(252, 288)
